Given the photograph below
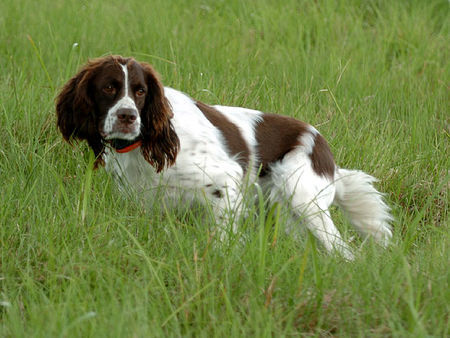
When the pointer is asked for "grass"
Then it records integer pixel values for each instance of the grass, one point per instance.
(78, 259)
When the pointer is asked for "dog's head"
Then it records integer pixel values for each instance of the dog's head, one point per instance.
(115, 98)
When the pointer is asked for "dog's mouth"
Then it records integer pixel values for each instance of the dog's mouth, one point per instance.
(122, 139)
(123, 132)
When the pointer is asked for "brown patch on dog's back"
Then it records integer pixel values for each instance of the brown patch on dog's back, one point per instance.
(322, 158)
(231, 133)
(276, 136)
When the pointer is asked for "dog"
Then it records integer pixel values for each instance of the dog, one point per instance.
(148, 135)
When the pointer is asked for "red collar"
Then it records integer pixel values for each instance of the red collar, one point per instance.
(131, 147)
(124, 146)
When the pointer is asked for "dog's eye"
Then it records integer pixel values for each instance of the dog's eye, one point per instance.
(109, 89)
(140, 92)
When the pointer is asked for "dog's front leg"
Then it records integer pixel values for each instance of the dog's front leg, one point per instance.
(226, 203)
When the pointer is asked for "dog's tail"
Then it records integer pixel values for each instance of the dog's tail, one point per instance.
(363, 204)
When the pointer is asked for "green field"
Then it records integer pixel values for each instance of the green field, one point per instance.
(80, 259)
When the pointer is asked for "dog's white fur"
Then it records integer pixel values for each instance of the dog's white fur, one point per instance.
(203, 167)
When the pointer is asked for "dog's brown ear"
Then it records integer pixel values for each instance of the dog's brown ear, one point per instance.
(160, 143)
(75, 110)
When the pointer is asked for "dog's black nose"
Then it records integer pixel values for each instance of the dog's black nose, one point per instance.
(127, 115)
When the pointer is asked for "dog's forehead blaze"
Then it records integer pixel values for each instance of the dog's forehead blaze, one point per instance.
(136, 73)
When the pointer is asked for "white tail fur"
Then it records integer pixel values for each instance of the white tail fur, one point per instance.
(363, 204)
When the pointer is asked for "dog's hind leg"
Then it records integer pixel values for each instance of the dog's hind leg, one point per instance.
(293, 180)
(319, 222)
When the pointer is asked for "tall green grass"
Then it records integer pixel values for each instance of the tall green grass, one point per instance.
(79, 259)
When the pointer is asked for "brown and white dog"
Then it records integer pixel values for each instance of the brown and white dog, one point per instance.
(152, 136)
